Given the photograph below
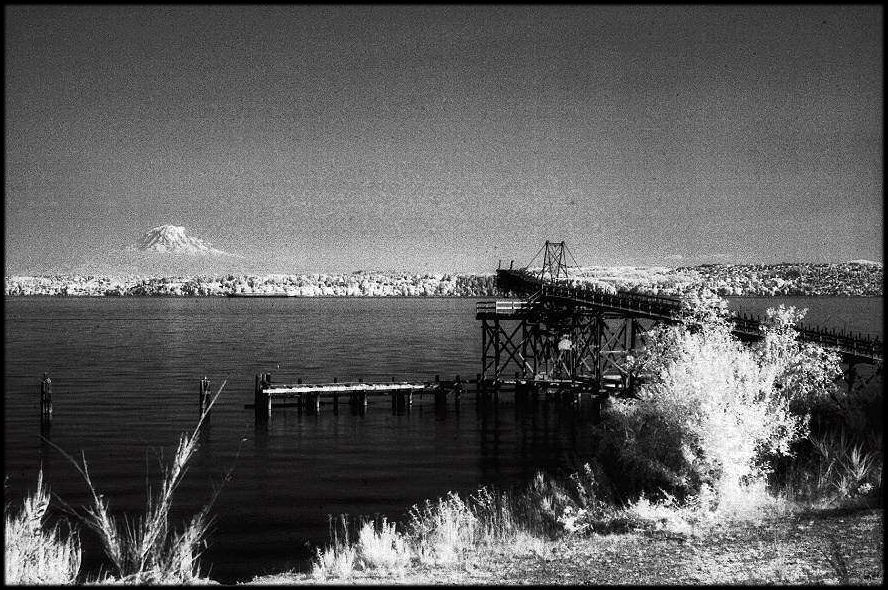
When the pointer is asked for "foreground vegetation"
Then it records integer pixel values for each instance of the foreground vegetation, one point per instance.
(142, 550)
(726, 450)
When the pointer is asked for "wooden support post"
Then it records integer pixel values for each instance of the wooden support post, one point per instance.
(266, 395)
(409, 398)
(483, 374)
(851, 375)
(364, 399)
(316, 402)
(497, 345)
(45, 399)
(458, 389)
(335, 403)
(204, 399)
(261, 401)
(257, 397)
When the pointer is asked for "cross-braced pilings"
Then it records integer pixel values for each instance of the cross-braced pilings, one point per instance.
(553, 343)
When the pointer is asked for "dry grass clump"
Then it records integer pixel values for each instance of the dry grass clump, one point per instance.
(450, 530)
(337, 561)
(33, 554)
(443, 532)
(382, 548)
(379, 550)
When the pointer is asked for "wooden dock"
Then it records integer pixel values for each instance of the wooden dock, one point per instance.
(310, 396)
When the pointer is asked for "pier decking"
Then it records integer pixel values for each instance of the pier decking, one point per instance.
(311, 396)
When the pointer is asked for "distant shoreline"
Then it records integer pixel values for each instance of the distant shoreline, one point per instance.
(841, 280)
(274, 296)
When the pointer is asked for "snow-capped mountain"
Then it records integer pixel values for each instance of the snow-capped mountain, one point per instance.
(172, 239)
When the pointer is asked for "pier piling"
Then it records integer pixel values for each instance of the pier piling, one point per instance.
(262, 401)
(45, 401)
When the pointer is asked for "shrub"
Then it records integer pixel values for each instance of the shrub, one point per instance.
(714, 409)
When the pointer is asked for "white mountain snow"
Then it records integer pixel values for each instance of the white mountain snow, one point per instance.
(173, 239)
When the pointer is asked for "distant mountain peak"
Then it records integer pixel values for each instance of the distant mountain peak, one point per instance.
(173, 239)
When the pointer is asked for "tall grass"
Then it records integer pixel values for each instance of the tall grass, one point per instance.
(440, 533)
(34, 554)
(147, 549)
(449, 531)
(847, 472)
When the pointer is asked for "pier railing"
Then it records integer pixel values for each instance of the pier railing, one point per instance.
(858, 348)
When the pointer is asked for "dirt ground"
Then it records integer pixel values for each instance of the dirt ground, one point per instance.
(830, 547)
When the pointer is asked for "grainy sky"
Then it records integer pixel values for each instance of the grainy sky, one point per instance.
(446, 138)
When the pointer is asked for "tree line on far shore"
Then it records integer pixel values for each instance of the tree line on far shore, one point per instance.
(846, 279)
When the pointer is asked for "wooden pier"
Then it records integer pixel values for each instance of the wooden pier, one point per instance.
(309, 397)
(564, 341)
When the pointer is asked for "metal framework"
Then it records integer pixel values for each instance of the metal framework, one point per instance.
(554, 262)
(563, 334)
(556, 342)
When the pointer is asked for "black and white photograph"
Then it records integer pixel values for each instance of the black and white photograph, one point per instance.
(443, 294)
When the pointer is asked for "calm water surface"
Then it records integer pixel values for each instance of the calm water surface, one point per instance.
(125, 380)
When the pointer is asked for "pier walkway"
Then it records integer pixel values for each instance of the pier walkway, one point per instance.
(854, 349)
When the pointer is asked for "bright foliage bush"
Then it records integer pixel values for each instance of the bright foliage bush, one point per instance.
(713, 409)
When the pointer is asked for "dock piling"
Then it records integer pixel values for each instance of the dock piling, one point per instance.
(45, 399)
(261, 400)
